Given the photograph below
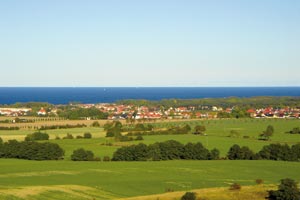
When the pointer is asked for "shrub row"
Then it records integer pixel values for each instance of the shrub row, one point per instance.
(294, 131)
(170, 131)
(125, 138)
(86, 135)
(86, 155)
(62, 126)
(9, 128)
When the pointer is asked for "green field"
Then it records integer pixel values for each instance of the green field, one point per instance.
(109, 180)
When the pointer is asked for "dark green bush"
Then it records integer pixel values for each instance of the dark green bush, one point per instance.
(139, 137)
(82, 155)
(95, 124)
(287, 190)
(87, 135)
(189, 196)
(106, 158)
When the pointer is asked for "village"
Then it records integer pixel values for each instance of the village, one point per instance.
(118, 112)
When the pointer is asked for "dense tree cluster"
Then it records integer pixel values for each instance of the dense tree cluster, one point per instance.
(37, 136)
(113, 129)
(113, 132)
(168, 150)
(268, 152)
(80, 113)
(236, 113)
(31, 150)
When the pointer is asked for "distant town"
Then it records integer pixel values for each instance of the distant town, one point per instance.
(118, 112)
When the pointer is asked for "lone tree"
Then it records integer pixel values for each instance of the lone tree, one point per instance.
(265, 135)
(287, 190)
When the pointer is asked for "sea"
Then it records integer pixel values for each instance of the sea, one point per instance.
(65, 95)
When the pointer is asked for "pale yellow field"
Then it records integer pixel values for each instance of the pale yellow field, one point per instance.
(257, 192)
(74, 191)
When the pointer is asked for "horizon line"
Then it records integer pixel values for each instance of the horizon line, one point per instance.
(243, 86)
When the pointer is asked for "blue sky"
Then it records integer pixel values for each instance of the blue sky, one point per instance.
(150, 43)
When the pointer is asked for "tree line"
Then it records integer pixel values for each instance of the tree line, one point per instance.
(269, 152)
(168, 150)
(174, 150)
(256, 102)
(11, 128)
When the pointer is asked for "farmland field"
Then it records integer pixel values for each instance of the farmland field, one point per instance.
(22, 179)
(218, 135)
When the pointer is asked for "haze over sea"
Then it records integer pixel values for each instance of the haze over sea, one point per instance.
(65, 95)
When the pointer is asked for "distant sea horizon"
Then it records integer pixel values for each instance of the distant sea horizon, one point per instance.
(65, 95)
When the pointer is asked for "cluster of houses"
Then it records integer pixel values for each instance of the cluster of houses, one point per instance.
(275, 112)
(15, 111)
(144, 112)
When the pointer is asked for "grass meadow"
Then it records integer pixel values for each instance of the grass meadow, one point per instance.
(23, 179)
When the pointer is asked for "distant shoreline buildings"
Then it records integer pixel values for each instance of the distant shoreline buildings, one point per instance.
(116, 112)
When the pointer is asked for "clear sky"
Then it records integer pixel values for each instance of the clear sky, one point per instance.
(150, 43)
